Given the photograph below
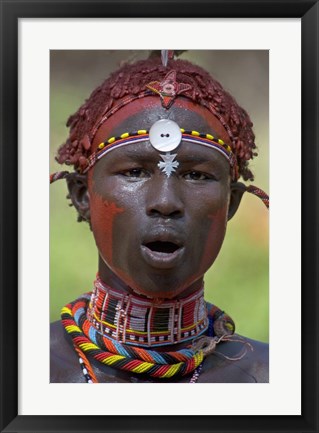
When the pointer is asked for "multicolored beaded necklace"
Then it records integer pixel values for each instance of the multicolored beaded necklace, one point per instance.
(94, 319)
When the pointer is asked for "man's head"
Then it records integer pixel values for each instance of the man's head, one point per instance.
(158, 234)
(136, 81)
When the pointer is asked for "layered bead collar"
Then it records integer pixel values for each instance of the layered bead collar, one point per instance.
(135, 320)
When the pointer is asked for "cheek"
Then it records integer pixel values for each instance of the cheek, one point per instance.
(217, 223)
(210, 242)
(103, 216)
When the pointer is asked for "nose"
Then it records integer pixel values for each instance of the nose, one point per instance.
(164, 198)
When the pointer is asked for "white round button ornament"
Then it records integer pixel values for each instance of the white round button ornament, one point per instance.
(165, 135)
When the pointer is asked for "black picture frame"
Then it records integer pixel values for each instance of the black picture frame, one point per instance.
(11, 11)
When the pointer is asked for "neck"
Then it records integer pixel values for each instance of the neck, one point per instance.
(160, 285)
(136, 320)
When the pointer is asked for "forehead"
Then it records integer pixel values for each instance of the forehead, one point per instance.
(142, 114)
(144, 120)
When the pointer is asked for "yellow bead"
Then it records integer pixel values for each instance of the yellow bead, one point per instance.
(182, 130)
(111, 140)
(141, 131)
(229, 326)
(101, 145)
(125, 135)
(195, 133)
(220, 141)
(210, 137)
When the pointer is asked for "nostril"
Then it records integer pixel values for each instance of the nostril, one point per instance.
(161, 213)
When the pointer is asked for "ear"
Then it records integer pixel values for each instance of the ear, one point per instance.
(237, 190)
(79, 195)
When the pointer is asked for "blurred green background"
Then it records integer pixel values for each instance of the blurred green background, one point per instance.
(238, 281)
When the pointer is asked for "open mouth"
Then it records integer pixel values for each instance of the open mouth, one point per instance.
(162, 247)
(162, 254)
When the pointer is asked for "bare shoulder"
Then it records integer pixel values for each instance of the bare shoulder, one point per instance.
(64, 362)
(238, 362)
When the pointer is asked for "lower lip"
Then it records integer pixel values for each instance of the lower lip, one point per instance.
(162, 260)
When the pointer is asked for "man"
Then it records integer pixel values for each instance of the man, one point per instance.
(157, 150)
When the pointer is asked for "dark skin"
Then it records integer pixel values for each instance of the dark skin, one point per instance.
(130, 203)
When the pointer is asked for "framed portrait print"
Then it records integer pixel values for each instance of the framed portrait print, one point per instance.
(53, 55)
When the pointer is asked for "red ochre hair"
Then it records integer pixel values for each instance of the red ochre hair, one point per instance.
(131, 80)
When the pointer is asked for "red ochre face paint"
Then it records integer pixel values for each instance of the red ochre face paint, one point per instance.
(103, 214)
(158, 235)
(217, 223)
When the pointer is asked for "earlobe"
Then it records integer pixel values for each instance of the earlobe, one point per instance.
(79, 195)
(237, 190)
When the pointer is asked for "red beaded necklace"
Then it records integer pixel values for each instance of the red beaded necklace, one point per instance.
(135, 320)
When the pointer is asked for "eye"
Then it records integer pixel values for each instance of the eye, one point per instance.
(137, 173)
(197, 175)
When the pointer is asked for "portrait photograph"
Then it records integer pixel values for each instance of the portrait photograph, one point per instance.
(159, 250)
(160, 222)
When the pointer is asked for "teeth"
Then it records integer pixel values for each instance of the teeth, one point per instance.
(162, 247)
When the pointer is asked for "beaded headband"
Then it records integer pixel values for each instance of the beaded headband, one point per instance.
(165, 136)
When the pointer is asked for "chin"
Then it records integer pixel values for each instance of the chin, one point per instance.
(165, 287)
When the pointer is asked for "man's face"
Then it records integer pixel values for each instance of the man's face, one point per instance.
(160, 234)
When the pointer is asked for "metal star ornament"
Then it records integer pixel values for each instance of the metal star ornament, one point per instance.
(168, 165)
(168, 88)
